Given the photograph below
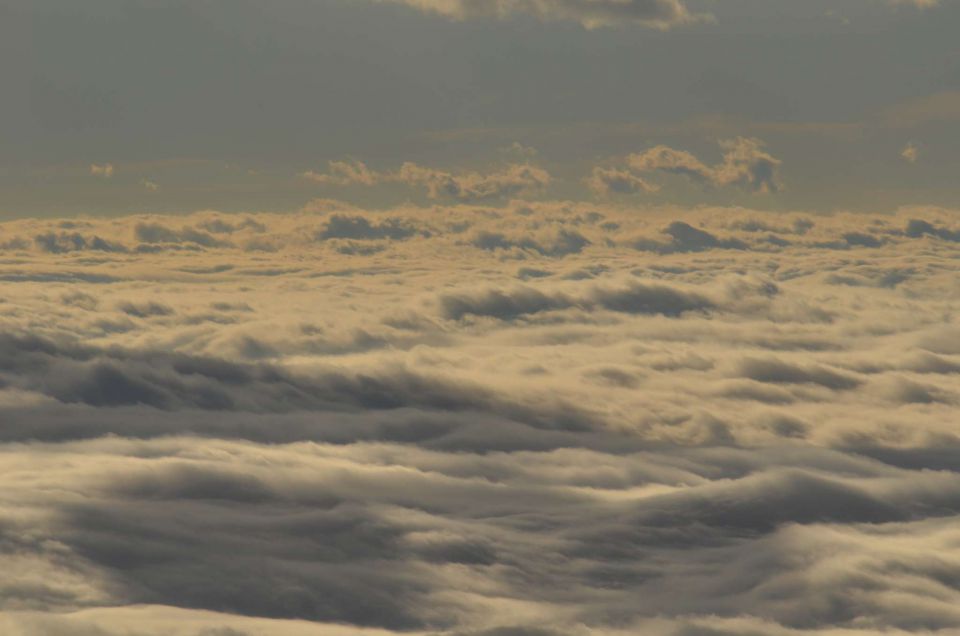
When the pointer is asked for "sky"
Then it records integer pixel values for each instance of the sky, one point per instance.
(222, 104)
(479, 318)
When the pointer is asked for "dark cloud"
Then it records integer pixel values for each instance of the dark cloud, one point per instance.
(59, 243)
(110, 378)
(358, 227)
(145, 310)
(562, 243)
(861, 239)
(635, 298)
(686, 238)
(152, 233)
(917, 228)
(774, 371)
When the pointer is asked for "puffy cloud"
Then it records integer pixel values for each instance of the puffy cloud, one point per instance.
(344, 173)
(606, 181)
(512, 180)
(745, 165)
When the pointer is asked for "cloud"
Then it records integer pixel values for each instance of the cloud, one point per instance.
(686, 238)
(562, 243)
(910, 153)
(744, 164)
(513, 180)
(520, 152)
(517, 179)
(606, 181)
(920, 4)
(145, 310)
(358, 227)
(917, 228)
(634, 298)
(58, 243)
(658, 14)
(101, 170)
(152, 233)
(779, 372)
(344, 173)
(374, 428)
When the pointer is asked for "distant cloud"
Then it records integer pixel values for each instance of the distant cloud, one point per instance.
(920, 4)
(910, 152)
(101, 170)
(745, 164)
(514, 179)
(591, 14)
(519, 151)
(658, 14)
(605, 181)
(344, 173)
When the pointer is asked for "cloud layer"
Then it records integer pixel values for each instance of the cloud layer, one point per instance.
(660, 14)
(546, 418)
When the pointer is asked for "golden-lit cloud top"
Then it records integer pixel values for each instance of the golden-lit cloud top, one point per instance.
(541, 418)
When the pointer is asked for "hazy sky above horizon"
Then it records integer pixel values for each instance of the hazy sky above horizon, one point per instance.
(225, 104)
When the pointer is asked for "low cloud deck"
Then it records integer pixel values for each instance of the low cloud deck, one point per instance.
(549, 419)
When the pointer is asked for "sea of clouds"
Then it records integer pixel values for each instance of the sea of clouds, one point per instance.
(544, 419)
